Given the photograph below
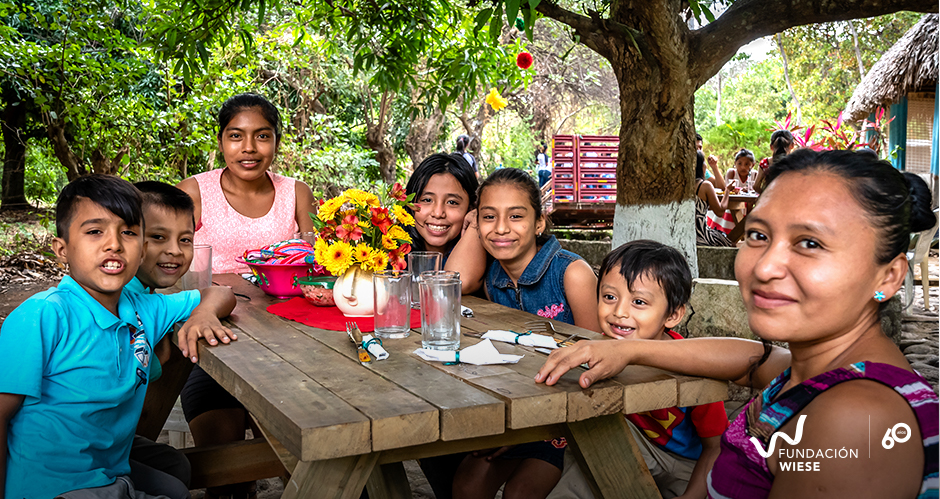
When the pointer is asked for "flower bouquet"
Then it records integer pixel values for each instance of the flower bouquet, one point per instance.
(359, 227)
(360, 233)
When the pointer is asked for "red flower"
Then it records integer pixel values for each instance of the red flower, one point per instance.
(350, 230)
(524, 60)
(398, 192)
(381, 220)
(396, 258)
(327, 232)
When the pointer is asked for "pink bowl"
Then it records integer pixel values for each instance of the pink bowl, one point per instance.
(279, 280)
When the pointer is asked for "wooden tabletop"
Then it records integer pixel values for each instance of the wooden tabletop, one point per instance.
(307, 390)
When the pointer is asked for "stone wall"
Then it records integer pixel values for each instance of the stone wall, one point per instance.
(592, 251)
(715, 262)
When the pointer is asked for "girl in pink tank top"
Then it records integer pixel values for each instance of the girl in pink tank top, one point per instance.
(249, 134)
(230, 233)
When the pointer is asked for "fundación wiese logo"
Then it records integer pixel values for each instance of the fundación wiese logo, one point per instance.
(773, 439)
(900, 433)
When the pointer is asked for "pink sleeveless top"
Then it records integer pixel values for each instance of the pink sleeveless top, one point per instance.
(230, 233)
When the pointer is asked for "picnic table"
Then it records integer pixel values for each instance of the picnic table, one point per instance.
(335, 426)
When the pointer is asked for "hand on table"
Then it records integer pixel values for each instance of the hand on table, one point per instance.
(603, 357)
(202, 325)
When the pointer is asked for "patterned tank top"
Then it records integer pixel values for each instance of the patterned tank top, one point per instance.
(740, 472)
(230, 233)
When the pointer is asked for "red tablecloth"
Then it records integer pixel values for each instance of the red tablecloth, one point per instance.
(330, 318)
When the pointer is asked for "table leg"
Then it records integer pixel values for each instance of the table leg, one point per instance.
(388, 481)
(610, 458)
(341, 478)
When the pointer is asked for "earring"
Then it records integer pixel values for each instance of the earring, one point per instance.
(879, 296)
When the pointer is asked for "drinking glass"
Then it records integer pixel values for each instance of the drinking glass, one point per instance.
(418, 262)
(440, 313)
(199, 275)
(392, 303)
(310, 237)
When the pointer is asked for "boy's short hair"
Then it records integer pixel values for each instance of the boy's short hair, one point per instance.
(113, 193)
(165, 196)
(644, 257)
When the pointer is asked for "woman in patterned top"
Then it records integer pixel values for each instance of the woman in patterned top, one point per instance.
(825, 248)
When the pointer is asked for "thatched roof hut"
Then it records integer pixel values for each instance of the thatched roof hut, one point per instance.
(911, 65)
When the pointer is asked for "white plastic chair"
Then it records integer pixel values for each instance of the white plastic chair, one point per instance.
(918, 256)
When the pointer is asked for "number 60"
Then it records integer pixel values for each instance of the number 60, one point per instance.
(891, 436)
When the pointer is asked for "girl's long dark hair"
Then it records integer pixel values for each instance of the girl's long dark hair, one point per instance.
(780, 141)
(238, 103)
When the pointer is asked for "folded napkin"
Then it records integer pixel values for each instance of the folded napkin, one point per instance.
(480, 354)
(527, 339)
(374, 347)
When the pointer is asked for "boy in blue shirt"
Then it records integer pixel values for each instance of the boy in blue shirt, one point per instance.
(74, 360)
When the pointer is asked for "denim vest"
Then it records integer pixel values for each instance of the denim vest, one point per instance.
(541, 287)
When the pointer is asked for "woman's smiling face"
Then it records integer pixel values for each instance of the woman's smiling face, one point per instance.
(440, 210)
(807, 270)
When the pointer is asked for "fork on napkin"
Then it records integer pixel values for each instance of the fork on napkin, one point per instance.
(483, 353)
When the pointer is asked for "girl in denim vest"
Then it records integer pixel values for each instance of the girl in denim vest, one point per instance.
(530, 272)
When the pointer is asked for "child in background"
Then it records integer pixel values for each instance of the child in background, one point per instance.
(743, 163)
(643, 289)
(74, 360)
(781, 143)
(532, 273)
(168, 234)
(240, 207)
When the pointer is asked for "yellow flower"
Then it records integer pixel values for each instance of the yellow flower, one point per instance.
(362, 198)
(362, 253)
(403, 216)
(379, 260)
(328, 209)
(397, 233)
(320, 249)
(338, 257)
(388, 242)
(495, 100)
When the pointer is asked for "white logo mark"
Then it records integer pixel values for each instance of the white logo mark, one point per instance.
(900, 433)
(773, 439)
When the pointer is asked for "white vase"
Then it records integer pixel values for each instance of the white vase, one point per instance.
(354, 294)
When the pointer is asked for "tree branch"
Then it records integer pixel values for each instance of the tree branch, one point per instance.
(591, 32)
(747, 20)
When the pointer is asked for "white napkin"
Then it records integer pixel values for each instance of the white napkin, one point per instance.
(529, 340)
(374, 347)
(480, 354)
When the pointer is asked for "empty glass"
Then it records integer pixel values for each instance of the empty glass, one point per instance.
(199, 275)
(418, 262)
(392, 303)
(440, 313)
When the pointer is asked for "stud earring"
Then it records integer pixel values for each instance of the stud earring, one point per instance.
(879, 296)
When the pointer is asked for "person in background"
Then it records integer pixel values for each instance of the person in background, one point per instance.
(781, 143)
(743, 164)
(712, 174)
(544, 167)
(240, 207)
(75, 359)
(463, 142)
(706, 199)
(825, 250)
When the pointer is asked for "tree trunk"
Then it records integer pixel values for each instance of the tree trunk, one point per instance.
(375, 134)
(105, 165)
(858, 52)
(424, 132)
(656, 160)
(63, 151)
(13, 191)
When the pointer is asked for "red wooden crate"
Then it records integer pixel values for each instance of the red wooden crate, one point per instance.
(599, 140)
(560, 141)
(565, 196)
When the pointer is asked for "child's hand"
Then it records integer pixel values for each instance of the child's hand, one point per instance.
(604, 358)
(470, 220)
(712, 161)
(202, 325)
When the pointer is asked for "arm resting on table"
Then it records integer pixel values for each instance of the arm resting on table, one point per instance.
(217, 302)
